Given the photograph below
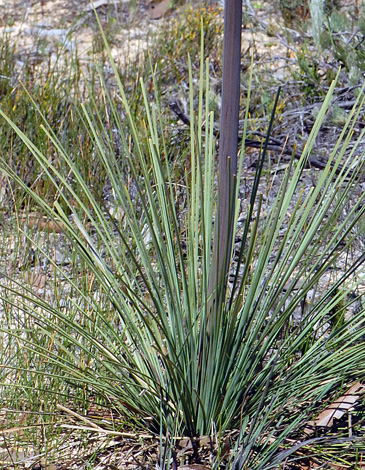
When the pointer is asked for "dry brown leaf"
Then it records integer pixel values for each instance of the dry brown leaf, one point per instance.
(48, 225)
(186, 441)
(44, 224)
(335, 466)
(185, 444)
(35, 279)
(336, 409)
(159, 10)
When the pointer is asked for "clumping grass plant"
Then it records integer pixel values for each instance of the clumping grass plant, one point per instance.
(136, 333)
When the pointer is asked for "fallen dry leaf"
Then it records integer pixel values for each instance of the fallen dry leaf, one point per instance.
(336, 409)
(35, 279)
(49, 226)
(185, 444)
(159, 10)
(44, 224)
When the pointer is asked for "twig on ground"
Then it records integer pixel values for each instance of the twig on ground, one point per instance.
(274, 146)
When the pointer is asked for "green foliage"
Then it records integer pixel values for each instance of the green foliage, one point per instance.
(341, 37)
(339, 22)
(293, 12)
(316, 11)
(308, 74)
(337, 36)
(337, 116)
(54, 88)
(187, 34)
